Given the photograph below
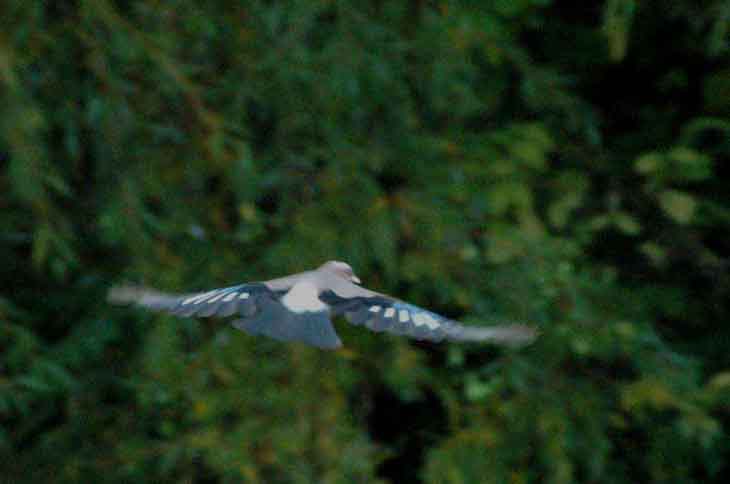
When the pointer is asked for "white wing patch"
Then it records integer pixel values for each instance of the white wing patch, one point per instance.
(418, 317)
(199, 297)
(215, 298)
(302, 297)
(430, 321)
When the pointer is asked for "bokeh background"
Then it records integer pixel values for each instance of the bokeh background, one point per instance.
(561, 163)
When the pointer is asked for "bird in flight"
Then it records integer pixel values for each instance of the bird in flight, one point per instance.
(298, 308)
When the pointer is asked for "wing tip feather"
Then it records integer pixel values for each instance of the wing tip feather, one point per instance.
(142, 296)
(509, 335)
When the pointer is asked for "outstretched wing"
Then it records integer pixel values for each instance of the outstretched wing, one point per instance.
(379, 312)
(243, 299)
(264, 310)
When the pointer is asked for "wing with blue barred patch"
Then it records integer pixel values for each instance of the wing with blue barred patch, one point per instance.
(382, 313)
(243, 299)
(260, 308)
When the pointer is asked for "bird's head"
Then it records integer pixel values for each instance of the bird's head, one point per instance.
(341, 269)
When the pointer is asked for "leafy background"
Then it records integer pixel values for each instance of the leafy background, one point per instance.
(561, 163)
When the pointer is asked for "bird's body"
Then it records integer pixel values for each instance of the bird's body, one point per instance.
(299, 307)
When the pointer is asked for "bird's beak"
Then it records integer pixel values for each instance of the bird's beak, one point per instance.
(355, 279)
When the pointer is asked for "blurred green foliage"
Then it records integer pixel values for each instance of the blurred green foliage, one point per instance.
(556, 162)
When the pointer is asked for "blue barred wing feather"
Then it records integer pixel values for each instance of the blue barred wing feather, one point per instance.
(381, 313)
(243, 299)
(258, 307)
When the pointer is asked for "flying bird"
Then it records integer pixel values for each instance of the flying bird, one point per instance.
(298, 308)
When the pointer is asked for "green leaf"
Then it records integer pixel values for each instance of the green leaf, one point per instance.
(649, 163)
(477, 390)
(655, 252)
(617, 20)
(678, 205)
(690, 165)
(626, 223)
